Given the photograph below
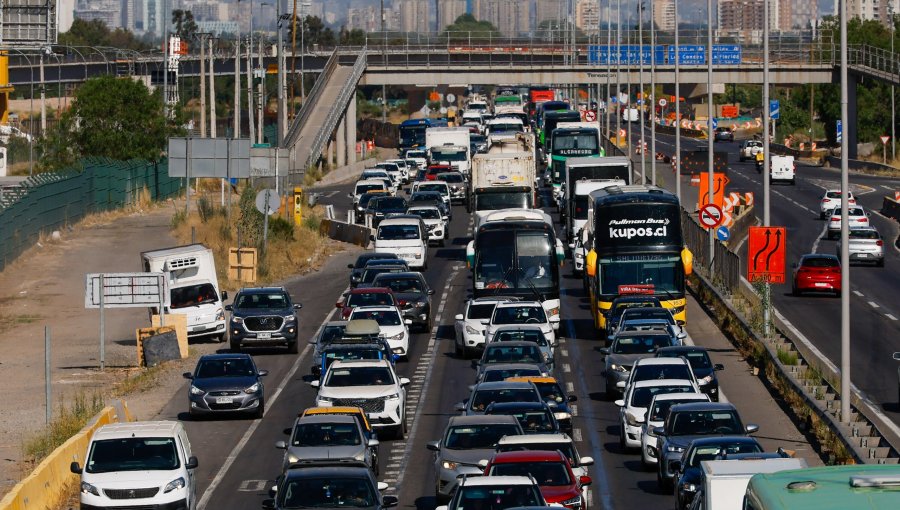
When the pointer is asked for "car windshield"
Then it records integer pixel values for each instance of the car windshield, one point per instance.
(193, 295)
(483, 398)
(350, 353)
(270, 301)
(389, 204)
(660, 408)
(531, 335)
(653, 371)
(415, 154)
(855, 211)
(699, 360)
(404, 285)
(835, 194)
(533, 422)
(230, 367)
(132, 454)
(646, 313)
(382, 317)
(519, 315)
(641, 397)
(551, 392)
(452, 177)
(640, 344)
(545, 473)
(566, 449)
(506, 373)
(427, 214)
(331, 492)
(864, 234)
(371, 273)
(695, 423)
(820, 262)
(718, 451)
(326, 434)
(398, 232)
(513, 354)
(375, 175)
(475, 437)
(619, 308)
(370, 299)
(440, 188)
(497, 497)
(363, 188)
(359, 376)
(479, 312)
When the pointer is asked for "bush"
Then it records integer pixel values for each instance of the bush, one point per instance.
(280, 228)
(250, 220)
(205, 209)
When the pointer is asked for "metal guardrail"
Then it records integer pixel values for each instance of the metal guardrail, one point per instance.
(726, 265)
(309, 104)
(337, 110)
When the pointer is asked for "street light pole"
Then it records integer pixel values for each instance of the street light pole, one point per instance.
(652, 98)
(619, 74)
(710, 112)
(766, 114)
(608, 98)
(890, 7)
(641, 88)
(677, 112)
(845, 232)
(384, 63)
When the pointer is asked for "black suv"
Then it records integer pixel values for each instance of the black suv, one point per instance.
(329, 485)
(263, 316)
(379, 207)
(413, 294)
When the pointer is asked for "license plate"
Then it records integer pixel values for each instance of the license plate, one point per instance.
(197, 328)
(818, 284)
(862, 255)
(264, 336)
(223, 400)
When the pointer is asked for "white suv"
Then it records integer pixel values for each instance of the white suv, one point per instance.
(394, 328)
(470, 324)
(434, 222)
(832, 200)
(521, 312)
(370, 384)
(857, 217)
(406, 236)
(633, 408)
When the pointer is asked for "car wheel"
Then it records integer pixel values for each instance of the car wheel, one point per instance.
(795, 291)
(622, 446)
(441, 243)
(261, 410)
(610, 390)
(821, 216)
(293, 347)
(664, 483)
(880, 263)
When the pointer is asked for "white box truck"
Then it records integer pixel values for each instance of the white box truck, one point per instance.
(450, 146)
(504, 178)
(725, 481)
(193, 287)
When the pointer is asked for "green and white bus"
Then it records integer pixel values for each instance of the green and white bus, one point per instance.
(856, 487)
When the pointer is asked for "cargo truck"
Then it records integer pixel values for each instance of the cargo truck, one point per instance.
(725, 481)
(504, 178)
(450, 145)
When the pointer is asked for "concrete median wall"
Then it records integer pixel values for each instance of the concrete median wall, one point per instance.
(346, 173)
(346, 232)
(45, 487)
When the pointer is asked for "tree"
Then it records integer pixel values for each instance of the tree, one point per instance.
(110, 117)
(185, 26)
(96, 33)
(355, 37)
(467, 26)
(313, 31)
(554, 30)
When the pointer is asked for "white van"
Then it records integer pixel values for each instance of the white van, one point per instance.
(366, 185)
(406, 236)
(630, 115)
(141, 465)
(782, 169)
(193, 287)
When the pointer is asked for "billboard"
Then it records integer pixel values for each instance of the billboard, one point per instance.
(28, 23)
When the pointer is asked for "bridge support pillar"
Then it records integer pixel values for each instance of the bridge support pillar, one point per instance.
(850, 131)
(329, 152)
(341, 139)
(350, 120)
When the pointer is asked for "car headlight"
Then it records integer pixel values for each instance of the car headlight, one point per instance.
(252, 389)
(576, 501)
(689, 487)
(562, 416)
(554, 312)
(237, 320)
(397, 350)
(290, 318)
(418, 255)
(325, 400)
(398, 336)
(177, 483)
(631, 420)
(448, 465)
(705, 380)
(472, 331)
(87, 488)
(618, 368)
(292, 459)
(546, 356)
(220, 314)
(674, 449)
(196, 391)
(676, 310)
(393, 396)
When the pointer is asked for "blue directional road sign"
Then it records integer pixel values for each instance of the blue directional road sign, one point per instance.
(722, 233)
(695, 54)
(774, 109)
(840, 132)
(715, 123)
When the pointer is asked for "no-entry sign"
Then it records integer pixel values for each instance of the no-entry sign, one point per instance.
(710, 216)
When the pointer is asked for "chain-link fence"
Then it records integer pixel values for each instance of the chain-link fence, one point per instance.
(48, 201)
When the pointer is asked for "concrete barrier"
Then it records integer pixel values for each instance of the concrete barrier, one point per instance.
(46, 486)
(346, 173)
(856, 164)
(346, 232)
(891, 208)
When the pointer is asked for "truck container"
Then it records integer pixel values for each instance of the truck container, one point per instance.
(504, 178)
(725, 481)
(193, 287)
(452, 145)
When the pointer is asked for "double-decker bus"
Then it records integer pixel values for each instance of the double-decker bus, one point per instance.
(516, 253)
(636, 247)
(412, 132)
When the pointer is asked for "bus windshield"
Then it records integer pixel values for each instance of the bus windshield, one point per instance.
(513, 259)
(412, 135)
(508, 200)
(572, 144)
(664, 273)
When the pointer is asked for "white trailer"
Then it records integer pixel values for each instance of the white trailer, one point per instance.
(725, 481)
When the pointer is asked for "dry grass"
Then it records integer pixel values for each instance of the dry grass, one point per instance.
(70, 417)
(284, 258)
(144, 203)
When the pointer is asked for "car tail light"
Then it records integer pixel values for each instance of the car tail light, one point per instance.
(825, 200)
(835, 218)
(863, 220)
(879, 243)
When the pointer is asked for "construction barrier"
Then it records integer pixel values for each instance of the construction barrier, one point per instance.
(46, 486)
(346, 232)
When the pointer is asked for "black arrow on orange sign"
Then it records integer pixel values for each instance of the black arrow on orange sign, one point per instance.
(763, 249)
(775, 249)
(720, 185)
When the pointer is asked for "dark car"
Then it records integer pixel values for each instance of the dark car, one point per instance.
(430, 197)
(553, 395)
(534, 417)
(359, 266)
(351, 349)
(689, 473)
(512, 351)
(724, 134)
(689, 422)
(478, 143)
(412, 293)
(380, 207)
(622, 303)
(263, 316)
(364, 200)
(366, 296)
(703, 368)
(226, 383)
(329, 485)
(373, 271)
(459, 187)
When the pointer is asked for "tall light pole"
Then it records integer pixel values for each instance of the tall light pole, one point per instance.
(250, 120)
(237, 87)
(608, 62)
(766, 114)
(845, 232)
(652, 98)
(619, 74)
(709, 129)
(677, 111)
(282, 96)
(641, 85)
(384, 62)
(890, 7)
(212, 89)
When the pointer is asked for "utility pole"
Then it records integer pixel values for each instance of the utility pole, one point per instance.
(212, 91)
(166, 58)
(652, 99)
(890, 7)
(608, 98)
(628, 106)
(262, 94)
(845, 232)
(618, 114)
(250, 116)
(641, 85)
(282, 102)
(766, 114)
(384, 62)
(237, 88)
(710, 115)
(677, 111)
(43, 93)
(202, 37)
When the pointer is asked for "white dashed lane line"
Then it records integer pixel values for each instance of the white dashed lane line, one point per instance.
(858, 293)
(889, 316)
(873, 304)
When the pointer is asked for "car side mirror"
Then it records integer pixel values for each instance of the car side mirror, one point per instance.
(554, 344)
(187, 375)
(459, 407)
(675, 465)
(404, 381)
(75, 468)
(389, 501)
(605, 350)
(430, 292)
(751, 428)
(298, 306)
(572, 398)
(408, 322)
(897, 356)
(718, 366)
(281, 445)
(586, 461)
(349, 195)
(262, 373)
(382, 486)
(459, 317)
(316, 370)
(681, 336)
(434, 446)
(585, 480)
(620, 385)
(268, 504)
(314, 384)
(680, 322)
(483, 463)
(373, 442)
(659, 431)
(371, 238)
(350, 266)
(619, 403)
(287, 431)
(229, 308)
(191, 463)
(794, 265)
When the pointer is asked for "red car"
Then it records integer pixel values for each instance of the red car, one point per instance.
(552, 471)
(434, 170)
(817, 272)
(369, 296)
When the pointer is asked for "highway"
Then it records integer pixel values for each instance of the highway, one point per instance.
(874, 307)
(238, 461)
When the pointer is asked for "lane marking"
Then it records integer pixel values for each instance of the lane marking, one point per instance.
(570, 387)
(889, 316)
(576, 434)
(815, 246)
(567, 368)
(858, 293)
(873, 304)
